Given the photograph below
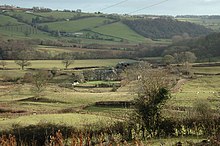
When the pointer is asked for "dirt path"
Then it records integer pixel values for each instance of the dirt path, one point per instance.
(177, 87)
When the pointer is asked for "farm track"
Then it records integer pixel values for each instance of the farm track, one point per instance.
(177, 87)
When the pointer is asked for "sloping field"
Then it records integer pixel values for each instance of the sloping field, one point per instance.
(60, 15)
(121, 30)
(27, 17)
(23, 31)
(8, 20)
(77, 25)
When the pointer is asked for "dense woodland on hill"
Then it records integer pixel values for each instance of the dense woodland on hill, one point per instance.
(165, 28)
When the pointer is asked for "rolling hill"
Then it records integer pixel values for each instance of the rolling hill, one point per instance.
(101, 27)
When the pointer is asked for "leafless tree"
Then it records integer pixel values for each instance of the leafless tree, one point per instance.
(23, 59)
(68, 61)
(39, 81)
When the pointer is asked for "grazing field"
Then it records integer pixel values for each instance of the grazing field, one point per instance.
(202, 89)
(72, 119)
(26, 17)
(77, 63)
(61, 15)
(8, 20)
(119, 29)
(76, 105)
(56, 99)
(77, 25)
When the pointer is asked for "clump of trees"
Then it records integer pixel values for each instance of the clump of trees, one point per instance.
(183, 58)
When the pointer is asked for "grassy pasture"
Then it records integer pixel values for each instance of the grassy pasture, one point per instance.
(60, 15)
(73, 119)
(76, 25)
(27, 17)
(119, 29)
(22, 31)
(200, 89)
(75, 107)
(8, 20)
(77, 63)
(54, 99)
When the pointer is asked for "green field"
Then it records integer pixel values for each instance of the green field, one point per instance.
(26, 17)
(120, 30)
(201, 89)
(8, 20)
(61, 15)
(77, 63)
(76, 120)
(76, 25)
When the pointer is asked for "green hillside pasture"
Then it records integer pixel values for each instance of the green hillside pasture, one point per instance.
(27, 17)
(61, 15)
(22, 31)
(76, 25)
(209, 23)
(74, 120)
(77, 63)
(200, 89)
(6, 20)
(203, 89)
(120, 30)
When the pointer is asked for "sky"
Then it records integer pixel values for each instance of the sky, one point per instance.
(132, 7)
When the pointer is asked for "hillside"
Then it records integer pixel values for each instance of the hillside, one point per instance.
(87, 26)
(204, 47)
(165, 28)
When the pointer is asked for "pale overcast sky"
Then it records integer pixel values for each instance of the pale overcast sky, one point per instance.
(166, 7)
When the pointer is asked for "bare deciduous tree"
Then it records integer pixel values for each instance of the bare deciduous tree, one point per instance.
(68, 61)
(39, 81)
(23, 59)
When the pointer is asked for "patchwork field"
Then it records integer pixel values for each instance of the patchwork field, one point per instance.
(18, 102)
